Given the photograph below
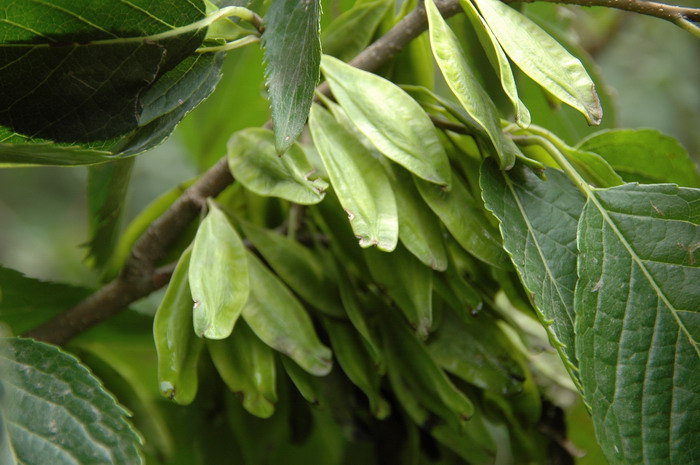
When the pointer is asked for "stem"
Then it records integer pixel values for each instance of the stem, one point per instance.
(229, 45)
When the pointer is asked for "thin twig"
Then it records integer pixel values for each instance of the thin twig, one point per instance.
(643, 7)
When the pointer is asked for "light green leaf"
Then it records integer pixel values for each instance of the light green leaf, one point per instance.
(293, 54)
(359, 182)
(107, 188)
(56, 411)
(218, 276)
(463, 84)
(405, 134)
(280, 321)
(498, 60)
(419, 229)
(348, 34)
(538, 221)
(637, 307)
(467, 223)
(408, 282)
(542, 58)
(644, 155)
(247, 366)
(177, 346)
(297, 266)
(255, 163)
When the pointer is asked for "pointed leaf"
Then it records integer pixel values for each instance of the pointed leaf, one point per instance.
(542, 58)
(255, 163)
(405, 134)
(538, 221)
(298, 266)
(458, 211)
(348, 34)
(644, 155)
(461, 80)
(419, 229)
(637, 309)
(408, 282)
(280, 321)
(498, 60)
(107, 188)
(56, 411)
(247, 366)
(293, 55)
(176, 344)
(359, 182)
(218, 276)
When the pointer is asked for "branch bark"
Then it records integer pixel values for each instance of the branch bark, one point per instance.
(140, 276)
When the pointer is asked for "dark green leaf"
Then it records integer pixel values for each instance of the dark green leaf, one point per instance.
(538, 224)
(255, 163)
(463, 218)
(83, 77)
(408, 282)
(644, 155)
(637, 307)
(293, 56)
(107, 188)
(56, 411)
(27, 302)
(352, 31)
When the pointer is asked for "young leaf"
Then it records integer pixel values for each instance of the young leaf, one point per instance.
(405, 134)
(293, 55)
(56, 411)
(419, 229)
(538, 221)
(280, 321)
(107, 188)
(498, 60)
(176, 344)
(255, 163)
(408, 282)
(542, 58)
(637, 304)
(218, 275)
(247, 366)
(463, 84)
(467, 223)
(359, 181)
(644, 155)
